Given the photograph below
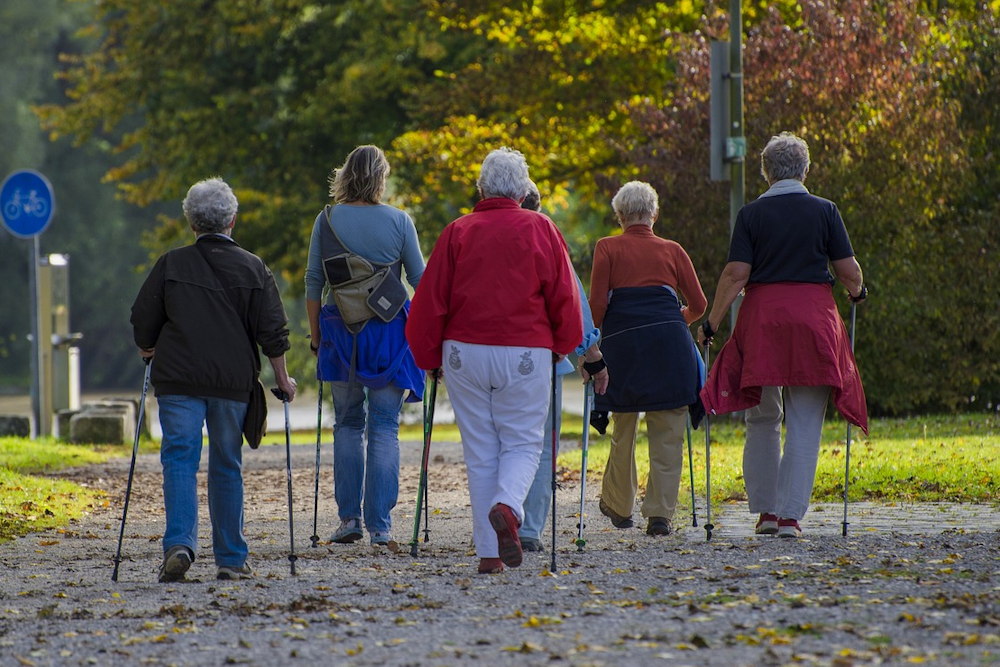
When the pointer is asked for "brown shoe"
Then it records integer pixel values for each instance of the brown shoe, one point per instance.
(490, 566)
(617, 520)
(504, 522)
(658, 526)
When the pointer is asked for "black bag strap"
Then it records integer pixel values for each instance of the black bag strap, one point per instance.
(235, 308)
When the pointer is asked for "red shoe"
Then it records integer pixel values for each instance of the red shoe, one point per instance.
(490, 566)
(504, 521)
(767, 524)
(789, 528)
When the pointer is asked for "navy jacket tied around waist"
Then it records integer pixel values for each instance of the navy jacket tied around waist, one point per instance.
(650, 354)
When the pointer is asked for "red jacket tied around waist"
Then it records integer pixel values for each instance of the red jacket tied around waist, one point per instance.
(787, 334)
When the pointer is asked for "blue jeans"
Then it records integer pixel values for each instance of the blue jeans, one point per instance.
(181, 419)
(536, 504)
(370, 476)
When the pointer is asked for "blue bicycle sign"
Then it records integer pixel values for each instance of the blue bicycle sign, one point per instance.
(31, 204)
(27, 203)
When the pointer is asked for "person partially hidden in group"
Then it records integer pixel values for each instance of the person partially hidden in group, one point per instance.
(536, 504)
(497, 305)
(790, 350)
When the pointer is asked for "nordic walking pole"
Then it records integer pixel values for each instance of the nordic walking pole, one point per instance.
(556, 409)
(429, 397)
(694, 506)
(847, 457)
(131, 468)
(288, 475)
(427, 489)
(314, 539)
(584, 445)
(708, 462)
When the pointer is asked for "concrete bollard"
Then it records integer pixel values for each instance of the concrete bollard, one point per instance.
(63, 418)
(15, 425)
(111, 422)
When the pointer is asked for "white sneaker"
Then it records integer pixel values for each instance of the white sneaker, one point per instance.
(349, 531)
(789, 528)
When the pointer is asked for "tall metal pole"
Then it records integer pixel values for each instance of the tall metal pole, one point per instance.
(736, 150)
(36, 345)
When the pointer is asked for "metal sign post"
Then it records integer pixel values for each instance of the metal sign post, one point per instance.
(27, 205)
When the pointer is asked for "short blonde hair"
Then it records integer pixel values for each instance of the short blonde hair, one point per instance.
(635, 202)
(362, 178)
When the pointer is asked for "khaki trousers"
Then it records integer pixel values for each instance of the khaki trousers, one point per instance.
(665, 429)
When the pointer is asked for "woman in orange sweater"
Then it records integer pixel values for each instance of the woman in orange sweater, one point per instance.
(638, 284)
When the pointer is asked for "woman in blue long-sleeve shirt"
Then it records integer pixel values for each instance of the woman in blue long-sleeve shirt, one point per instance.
(373, 365)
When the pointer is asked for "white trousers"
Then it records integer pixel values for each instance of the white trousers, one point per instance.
(501, 398)
(781, 482)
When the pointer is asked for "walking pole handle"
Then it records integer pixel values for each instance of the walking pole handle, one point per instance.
(279, 394)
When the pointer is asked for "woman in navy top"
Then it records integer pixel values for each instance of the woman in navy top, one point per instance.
(789, 351)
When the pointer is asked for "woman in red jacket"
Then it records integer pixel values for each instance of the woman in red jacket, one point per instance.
(498, 301)
(789, 350)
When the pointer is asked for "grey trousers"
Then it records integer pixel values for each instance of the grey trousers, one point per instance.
(781, 481)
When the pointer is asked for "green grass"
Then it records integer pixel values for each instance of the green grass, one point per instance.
(30, 503)
(48, 454)
(954, 458)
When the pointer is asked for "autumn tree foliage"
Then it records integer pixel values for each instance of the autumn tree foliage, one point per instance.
(884, 95)
(897, 99)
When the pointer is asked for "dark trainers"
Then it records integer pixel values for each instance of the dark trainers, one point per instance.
(617, 520)
(531, 544)
(490, 566)
(789, 528)
(659, 526)
(176, 562)
(349, 531)
(504, 522)
(233, 573)
(767, 524)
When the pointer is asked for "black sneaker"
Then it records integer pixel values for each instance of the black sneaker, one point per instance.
(531, 544)
(617, 520)
(233, 573)
(659, 526)
(176, 562)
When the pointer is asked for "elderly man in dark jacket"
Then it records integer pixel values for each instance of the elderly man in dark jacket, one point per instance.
(203, 311)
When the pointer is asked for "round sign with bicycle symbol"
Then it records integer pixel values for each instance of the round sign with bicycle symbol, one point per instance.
(27, 203)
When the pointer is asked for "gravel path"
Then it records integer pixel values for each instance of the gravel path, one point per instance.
(910, 584)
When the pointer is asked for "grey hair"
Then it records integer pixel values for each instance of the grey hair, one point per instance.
(785, 156)
(362, 177)
(210, 206)
(504, 174)
(532, 200)
(635, 203)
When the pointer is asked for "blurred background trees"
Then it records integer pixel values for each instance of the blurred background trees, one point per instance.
(898, 101)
